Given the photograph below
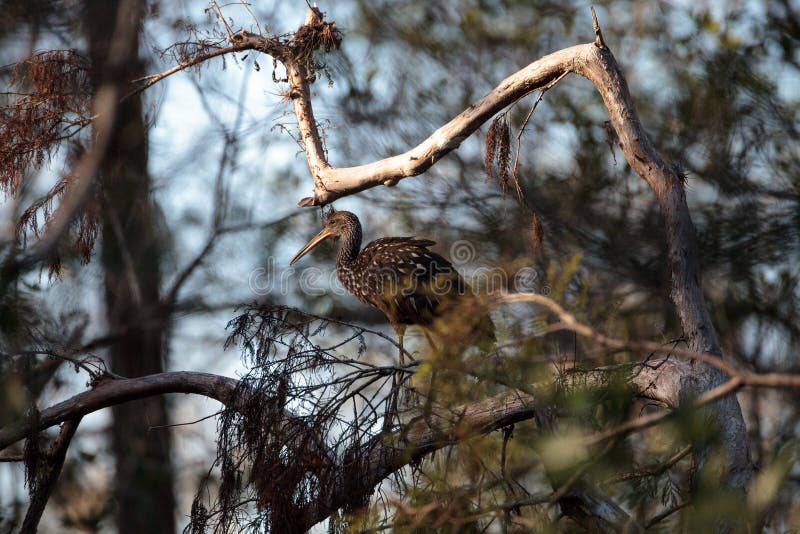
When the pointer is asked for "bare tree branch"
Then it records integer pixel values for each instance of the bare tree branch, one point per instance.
(384, 454)
(667, 182)
(777, 380)
(56, 455)
(388, 454)
(331, 183)
(109, 392)
(240, 42)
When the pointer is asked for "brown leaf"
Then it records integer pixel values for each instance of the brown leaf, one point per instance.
(491, 148)
(497, 156)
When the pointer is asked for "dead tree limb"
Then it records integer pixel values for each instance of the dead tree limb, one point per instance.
(111, 391)
(667, 182)
(386, 455)
(54, 459)
(382, 455)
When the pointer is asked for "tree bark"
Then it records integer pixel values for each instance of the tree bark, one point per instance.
(143, 489)
(56, 455)
(666, 181)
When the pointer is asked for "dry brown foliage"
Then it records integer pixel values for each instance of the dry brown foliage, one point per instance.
(282, 461)
(85, 226)
(319, 34)
(497, 157)
(51, 104)
(34, 459)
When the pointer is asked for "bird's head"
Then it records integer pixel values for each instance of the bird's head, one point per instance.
(337, 224)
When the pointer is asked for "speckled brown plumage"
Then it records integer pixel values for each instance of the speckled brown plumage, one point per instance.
(409, 283)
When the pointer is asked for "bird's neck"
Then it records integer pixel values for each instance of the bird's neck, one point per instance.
(351, 245)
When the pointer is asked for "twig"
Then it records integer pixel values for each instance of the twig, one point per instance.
(568, 322)
(246, 5)
(562, 491)
(158, 427)
(153, 79)
(525, 122)
(655, 470)
(222, 17)
(742, 378)
(240, 42)
(533, 500)
(100, 367)
(665, 514)
(646, 421)
(507, 434)
(598, 35)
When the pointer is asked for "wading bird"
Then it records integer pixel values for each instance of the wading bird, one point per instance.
(410, 284)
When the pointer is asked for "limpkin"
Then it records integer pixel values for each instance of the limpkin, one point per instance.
(410, 284)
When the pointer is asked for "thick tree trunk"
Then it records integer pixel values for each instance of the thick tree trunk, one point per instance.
(130, 257)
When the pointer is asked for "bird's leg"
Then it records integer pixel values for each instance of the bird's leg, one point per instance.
(396, 377)
(429, 398)
(401, 330)
(431, 342)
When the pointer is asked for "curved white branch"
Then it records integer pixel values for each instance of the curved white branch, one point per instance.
(335, 182)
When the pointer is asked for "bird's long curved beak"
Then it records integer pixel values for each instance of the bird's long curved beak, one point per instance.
(316, 240)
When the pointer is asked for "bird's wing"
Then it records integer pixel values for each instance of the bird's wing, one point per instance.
(408, 281)
(433, 294)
